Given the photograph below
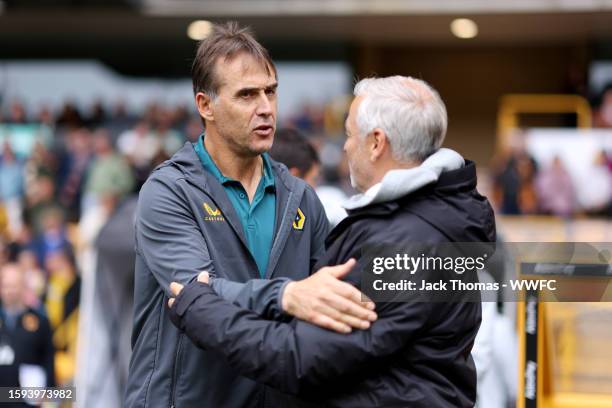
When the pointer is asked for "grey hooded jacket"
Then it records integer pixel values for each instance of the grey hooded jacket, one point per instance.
(186, 224)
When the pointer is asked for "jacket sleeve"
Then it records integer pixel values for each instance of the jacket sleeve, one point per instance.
(167, 234)
(259, 295)
(293, 357)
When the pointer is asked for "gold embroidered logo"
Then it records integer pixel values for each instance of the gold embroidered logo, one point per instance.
(30, 322)
(213, 215)
(299, 220)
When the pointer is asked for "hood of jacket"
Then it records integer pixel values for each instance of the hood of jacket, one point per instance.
(398, 183)
(445, 199)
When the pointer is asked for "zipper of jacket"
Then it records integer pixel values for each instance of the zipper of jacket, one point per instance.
(175, 371)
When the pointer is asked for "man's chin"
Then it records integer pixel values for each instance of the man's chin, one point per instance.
(261, 147)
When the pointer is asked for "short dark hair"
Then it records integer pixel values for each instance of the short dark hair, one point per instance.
(225, 41)
(292, 149)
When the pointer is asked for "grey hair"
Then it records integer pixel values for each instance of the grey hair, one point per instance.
(408, 110)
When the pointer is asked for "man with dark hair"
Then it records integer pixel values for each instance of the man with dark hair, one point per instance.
(293, 150)
(222, 205)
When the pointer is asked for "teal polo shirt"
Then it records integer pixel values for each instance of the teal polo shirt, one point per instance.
(257, 217)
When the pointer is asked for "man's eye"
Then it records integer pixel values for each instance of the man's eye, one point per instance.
(271, 92)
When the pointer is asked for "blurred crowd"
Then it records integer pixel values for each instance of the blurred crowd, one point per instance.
(91, 162)
(522, 186)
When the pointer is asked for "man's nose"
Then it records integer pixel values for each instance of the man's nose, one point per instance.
(264, 105)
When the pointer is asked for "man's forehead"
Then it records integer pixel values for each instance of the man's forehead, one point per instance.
(244, 70)
(353, 108)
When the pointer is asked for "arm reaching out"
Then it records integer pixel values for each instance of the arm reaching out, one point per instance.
(294, 357)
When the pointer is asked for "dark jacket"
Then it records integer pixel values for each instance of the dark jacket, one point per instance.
(185, 224)
(415, 355)
(27, 340)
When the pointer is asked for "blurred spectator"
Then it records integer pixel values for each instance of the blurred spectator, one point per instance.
(17, 113)
(34, 276)
(98, 114)
(555, 190)
(40, 199)
(109, 172)
(11, 188)
(69, 117)
(514, 179)
(45, 116)
(26, 349)
(595, 196)
(140, 147)
(119, 121)
(292, 149)
(40, 162)
(169, 139)
(62, 303)
(53, 236)
(72, 171)
(603, 113)
(309, 119)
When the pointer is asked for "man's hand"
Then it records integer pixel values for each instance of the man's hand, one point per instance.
(176, 288)
(323, 299)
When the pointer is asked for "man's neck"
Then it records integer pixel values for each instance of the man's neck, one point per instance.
(384, 168)
(248, 170)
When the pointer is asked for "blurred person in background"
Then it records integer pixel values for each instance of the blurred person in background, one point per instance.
(69, 117)
(603, 113)
(98, 116)
(168, 138)
(45, 116)
(62, 306)
(17, 114)
(53, 235)
(40, 199)
(34, 276)
(109, 172)
(140, 146)
(515, 173)
(292, 149)
(26, 348)
(555, 190)
(12, 188)
(72, 171)
(595, 197)
(41, 162)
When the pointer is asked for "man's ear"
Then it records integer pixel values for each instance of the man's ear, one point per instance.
(205, 106)
(378, 143)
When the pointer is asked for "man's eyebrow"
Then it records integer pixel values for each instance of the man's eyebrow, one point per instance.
(250, 89)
